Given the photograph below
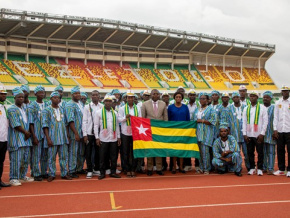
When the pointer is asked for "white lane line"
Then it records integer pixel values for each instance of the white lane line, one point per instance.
(156, 208)
(145, 190)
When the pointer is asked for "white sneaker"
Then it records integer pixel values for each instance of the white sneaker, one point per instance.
(89, 175)
(154, 168)
(108, 172)
(198, 170)
(288, 174)
(118, 171)
(279, 173)
(252, 172)
(15, 182)
(187, 168)
(96, 173)
(27, 179)
(260, 173)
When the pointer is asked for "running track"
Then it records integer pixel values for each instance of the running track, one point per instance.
(157, 196)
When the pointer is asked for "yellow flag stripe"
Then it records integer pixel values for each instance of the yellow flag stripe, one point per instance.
(139, 144)
(173, 132)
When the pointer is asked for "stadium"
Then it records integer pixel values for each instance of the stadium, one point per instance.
(47, 49)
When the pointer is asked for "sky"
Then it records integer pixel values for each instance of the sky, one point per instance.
(264, 21)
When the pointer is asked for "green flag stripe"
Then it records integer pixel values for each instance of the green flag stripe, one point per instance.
(174, 139)
(140, 153)
(173, 124)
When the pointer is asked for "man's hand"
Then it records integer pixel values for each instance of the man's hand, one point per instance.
(77, 137)
(98, 142)
(86, 140)
(247, 139)
(260, 139)
(35, 141)
(275, 135)
(229, 160)
(27, 135)
(49, 142)
(128, 116)
(119, 142)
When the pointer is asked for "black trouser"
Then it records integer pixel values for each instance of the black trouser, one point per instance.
(130, 163)
(90, 147)
(284, 139)
(187, 162)
(253, 143)
(110, 148)
(3, 149)
(164, 163)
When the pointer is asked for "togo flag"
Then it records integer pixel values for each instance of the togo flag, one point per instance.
(158, 138)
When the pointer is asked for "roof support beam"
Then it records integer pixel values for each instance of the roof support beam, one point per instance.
(36, 29)
(110, 36)
(181, 41)
(127, 38)
(75, 32)
(211, 48)
(51, 35)
(194, 47)
(161, 43)
(144, 41)
(13, 29)
(228, 50)
(97, 30)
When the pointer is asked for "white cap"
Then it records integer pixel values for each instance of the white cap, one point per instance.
(3, 89)
(146, 92)
(165, 93)
(285, 88)
(242, 87)
(191, 91)
(130, 93)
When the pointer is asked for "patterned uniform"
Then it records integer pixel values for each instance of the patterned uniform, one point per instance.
(38, 152)
(205, 135)
(55, 121)
(269, 146)
(219, 147)
(76, 150)
(234, 117)
(217, 108)
(18, 147)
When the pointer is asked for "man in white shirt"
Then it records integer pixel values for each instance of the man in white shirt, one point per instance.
(108, 139)
(192, 105)
(255, 121)
(243, 95)
(3, 133)
(88, 133)
(125, 112)
(281, 126)
(146, 94)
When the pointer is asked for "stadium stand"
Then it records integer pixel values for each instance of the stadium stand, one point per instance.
(76, 69)
(172, 77)
(6, 76)
(28, 70)
(55, 70)
(146, 71)
(250, 76)
(197, 81)
(126, 73)
(106, 76)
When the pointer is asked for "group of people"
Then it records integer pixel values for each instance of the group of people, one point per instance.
(35, 132)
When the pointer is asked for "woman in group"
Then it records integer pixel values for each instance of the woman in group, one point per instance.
(205, 117)
(178, 112)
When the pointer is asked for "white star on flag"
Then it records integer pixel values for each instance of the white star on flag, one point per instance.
(142, 130)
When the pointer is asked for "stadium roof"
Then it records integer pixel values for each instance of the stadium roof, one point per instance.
(118, 34)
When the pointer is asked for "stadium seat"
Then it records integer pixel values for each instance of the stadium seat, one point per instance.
(28, 70)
